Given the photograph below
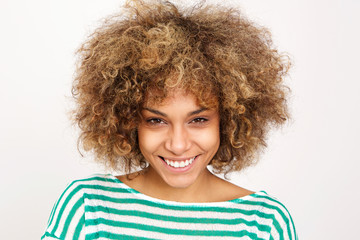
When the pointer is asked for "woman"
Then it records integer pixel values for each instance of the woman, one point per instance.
(171, 92)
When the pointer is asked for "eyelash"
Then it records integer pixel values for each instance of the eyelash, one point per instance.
(154, 121)
(157, 121)
(199, 120)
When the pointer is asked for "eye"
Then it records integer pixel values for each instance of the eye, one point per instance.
(154, 121)
(199, 120)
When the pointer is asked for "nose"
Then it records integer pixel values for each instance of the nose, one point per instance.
(178, 141)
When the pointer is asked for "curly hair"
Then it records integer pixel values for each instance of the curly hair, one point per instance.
(155, 47)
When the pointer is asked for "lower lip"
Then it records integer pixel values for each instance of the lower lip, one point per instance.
(180, 169)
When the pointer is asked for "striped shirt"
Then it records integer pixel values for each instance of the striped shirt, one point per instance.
(102, 207)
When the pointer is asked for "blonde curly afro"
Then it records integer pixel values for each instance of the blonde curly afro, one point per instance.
(212, 52)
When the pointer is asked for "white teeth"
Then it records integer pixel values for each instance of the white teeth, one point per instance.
(179, 164)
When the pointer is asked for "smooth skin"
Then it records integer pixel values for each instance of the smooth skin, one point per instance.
(180, 129)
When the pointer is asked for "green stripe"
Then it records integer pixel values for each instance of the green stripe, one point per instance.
(192, 220)
(210, 233)
(108, 235)
(63, 206)
(179, 208)
(79, 228)
(161, 205)
(275, 221)
(51, 218)
(70, 216)
(285, 219)
(70, 196)
(55, 207)
(279, 229)
(271, 237)
(52, 213)
(197, 208)
(47, 234)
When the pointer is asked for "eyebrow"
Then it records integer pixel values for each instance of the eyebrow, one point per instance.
(164, 115)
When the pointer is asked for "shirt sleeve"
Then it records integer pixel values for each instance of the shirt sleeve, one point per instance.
(283, 227)
(67, 218)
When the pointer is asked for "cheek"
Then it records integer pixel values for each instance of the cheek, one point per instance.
(214, 140)
(209, 140)
(148, 141)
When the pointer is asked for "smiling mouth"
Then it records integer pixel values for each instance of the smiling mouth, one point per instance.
(178, 163)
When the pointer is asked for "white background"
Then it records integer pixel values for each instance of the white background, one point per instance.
(311, 164)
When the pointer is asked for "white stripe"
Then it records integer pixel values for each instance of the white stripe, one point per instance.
(82, 233)
(178, 213)
(175, 225)
(74, 221)
(61, 203)
(160, 211)
(105, 183)
(149, 234)
(276, 214)
(76, 218)
(135, 196)
(49, 238)
(274, 233)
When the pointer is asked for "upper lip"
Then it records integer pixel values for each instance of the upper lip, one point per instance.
(177, 158)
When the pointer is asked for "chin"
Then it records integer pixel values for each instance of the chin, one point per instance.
(180, 182)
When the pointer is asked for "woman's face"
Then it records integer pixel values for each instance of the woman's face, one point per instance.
(179, 138)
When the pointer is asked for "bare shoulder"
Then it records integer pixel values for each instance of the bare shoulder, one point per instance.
(132, 180)
(228, 191)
